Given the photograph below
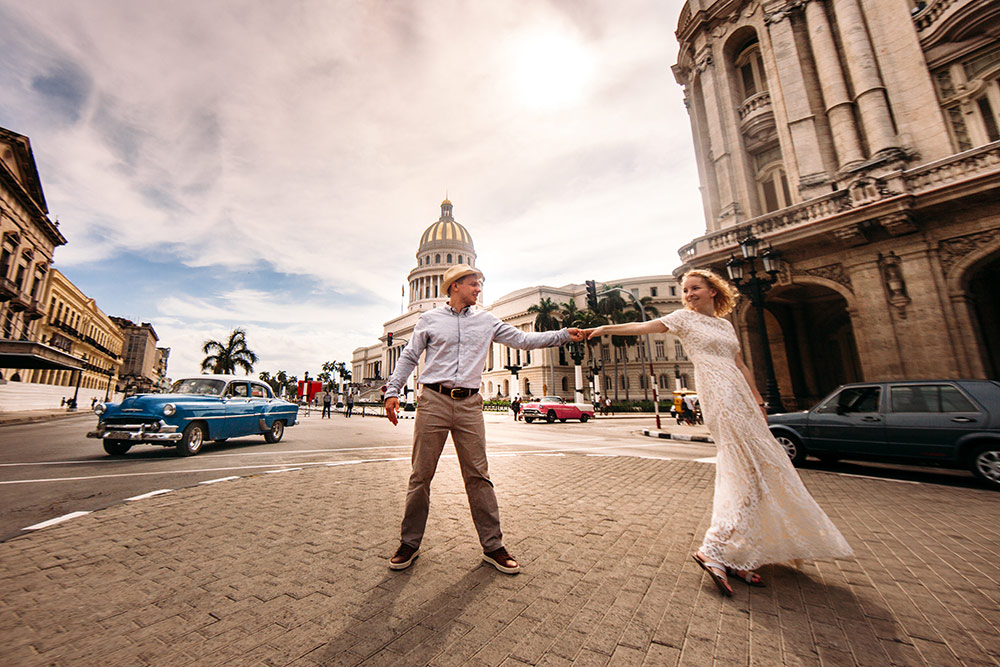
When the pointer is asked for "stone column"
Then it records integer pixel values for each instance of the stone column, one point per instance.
(718, 149)
(869, 92)
(795, 97)
(839, 109)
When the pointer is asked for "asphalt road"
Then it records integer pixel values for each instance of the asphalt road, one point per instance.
(51, 469)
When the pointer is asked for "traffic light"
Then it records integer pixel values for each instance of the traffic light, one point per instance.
(592, 295)
(388, 339)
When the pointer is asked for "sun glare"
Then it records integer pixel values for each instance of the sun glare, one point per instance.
(550, 70)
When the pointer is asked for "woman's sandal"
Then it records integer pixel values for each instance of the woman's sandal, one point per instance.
(749, 577)
(717, 571)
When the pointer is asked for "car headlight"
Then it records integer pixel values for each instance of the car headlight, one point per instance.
(169, 410)
(100, 409)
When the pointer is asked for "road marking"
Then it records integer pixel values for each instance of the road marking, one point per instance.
(271, 472)
(214, 455)
(707, 459)
(221, 479)
(58, 519)
(159, 492)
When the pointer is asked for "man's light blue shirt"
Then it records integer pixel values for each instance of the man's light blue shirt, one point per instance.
(457, 344)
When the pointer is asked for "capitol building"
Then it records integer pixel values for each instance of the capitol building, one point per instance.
(624, 372)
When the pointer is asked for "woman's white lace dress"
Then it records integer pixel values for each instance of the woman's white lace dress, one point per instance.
(762, 512)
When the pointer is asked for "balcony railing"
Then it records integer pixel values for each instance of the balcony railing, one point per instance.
(925, 179)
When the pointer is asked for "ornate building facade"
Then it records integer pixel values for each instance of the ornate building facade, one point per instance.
(75, 325)
(141, 359)
(27, 241)
(623, 373)
(859, 139)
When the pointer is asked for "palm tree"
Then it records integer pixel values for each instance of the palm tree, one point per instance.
(340, 368)
(546, 319)
(223, 358)
(327, 375)
(272, 382)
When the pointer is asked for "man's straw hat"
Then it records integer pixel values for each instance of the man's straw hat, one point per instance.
(455, 272)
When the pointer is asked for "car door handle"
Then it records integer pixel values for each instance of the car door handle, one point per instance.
(964, 420)
(870, 419)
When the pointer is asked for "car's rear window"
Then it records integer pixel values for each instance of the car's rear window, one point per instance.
(929, 398)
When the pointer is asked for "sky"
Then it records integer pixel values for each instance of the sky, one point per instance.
(232, 163)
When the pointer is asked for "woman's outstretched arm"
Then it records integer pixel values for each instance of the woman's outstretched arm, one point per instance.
(627, 329)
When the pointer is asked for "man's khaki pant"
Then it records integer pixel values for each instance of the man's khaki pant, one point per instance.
(437, 415)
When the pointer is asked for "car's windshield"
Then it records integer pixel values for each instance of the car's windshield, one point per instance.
(199, 386)
(551, 399)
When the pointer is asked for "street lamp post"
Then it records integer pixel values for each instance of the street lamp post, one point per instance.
(576, 352)
(514, 368)
(750, 282)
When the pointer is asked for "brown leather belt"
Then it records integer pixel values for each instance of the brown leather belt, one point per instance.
(455, 393)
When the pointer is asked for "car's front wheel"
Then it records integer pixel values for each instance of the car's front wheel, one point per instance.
(277, 430)
(986, 464)
(793, 447)
(116, 447)
(192, 440)
(584, 418)
(529, 419)
(551, 417)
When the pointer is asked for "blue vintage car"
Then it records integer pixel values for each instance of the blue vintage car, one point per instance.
(196, 409)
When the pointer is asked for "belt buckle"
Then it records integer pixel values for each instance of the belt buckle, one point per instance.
(452, 393)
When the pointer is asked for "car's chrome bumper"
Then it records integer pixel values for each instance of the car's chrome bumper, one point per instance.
(145, 432)
(531, 411)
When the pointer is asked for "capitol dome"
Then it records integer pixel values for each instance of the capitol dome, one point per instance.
(446, 231)
(445, 243)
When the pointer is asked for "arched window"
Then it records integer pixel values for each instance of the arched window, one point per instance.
(772, 184)
(437, 258)
(489, 388)
(643, 381)
(460, 260)
(527, 387)
(449, 258)
(750, 70)
(664, 381)
(506, 388)
(565, 384)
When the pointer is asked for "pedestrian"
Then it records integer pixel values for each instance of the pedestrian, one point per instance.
(327, 404)
(688, 412)
(762, 513)
(516, 407)
(607, 405)
(350, 404)
(456, 338)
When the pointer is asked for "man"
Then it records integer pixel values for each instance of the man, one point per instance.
(327, 402)
(456, 338)
(350, 404)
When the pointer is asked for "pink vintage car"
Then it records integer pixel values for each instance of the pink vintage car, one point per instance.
(551, 408)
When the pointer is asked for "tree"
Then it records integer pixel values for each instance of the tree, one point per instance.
(546, 319)
(224, 357)
(272, 382)
(327, 375)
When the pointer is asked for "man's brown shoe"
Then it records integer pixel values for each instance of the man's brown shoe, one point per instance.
(502, 560)
(404, 557)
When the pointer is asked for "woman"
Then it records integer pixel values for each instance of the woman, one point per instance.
(762, 513)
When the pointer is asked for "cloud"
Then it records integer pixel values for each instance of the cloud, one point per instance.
(312, 142)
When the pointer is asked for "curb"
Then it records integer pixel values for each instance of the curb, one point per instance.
(34, 419)
(677, 436)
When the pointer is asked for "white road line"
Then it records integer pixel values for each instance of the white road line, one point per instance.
(58, 519)
(560, 451)
(213, 455)
(159, 492)
(709, 459)
(221, 479)
(271, 472)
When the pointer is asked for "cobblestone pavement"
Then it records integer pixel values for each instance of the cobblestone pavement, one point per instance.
(291, 568)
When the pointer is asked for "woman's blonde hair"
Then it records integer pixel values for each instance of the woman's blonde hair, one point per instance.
(725, 294)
